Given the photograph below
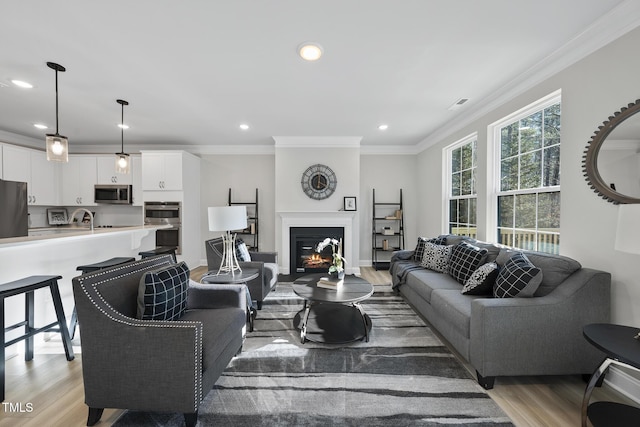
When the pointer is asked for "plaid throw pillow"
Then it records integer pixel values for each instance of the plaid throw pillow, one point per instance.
(162, 294)
(465, 259)
(518, 278)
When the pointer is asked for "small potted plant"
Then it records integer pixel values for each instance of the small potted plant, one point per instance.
(337, 260)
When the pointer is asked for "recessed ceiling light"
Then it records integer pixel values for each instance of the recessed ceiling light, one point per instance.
(244, 126)
(310, 51)
(123, 126)
(383, 127)
(22, 84)
(40, 126)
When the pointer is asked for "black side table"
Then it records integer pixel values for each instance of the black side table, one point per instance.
(622, 349)
(239, 278)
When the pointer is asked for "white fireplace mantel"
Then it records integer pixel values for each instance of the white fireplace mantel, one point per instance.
(343, 219)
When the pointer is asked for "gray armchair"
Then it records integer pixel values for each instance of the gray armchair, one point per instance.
(153, 365)
(265, 262)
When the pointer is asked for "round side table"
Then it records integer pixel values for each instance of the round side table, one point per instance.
(622, 349)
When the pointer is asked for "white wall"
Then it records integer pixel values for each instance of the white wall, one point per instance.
(292, 161)
(387, 174)
(291, 164)
(243, 174)
(592, 90)
(357, 175)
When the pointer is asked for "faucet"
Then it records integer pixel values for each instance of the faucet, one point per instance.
(73, 214)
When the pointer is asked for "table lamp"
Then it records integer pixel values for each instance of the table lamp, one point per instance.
(628, 232)
(228, 219)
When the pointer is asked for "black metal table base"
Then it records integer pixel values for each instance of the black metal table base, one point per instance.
(332, 323)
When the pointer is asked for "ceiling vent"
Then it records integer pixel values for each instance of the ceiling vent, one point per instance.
(459, 103)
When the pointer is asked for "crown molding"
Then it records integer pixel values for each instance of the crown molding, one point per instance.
(317, 141)
(25, 141)
(611, 26)
(231, 149)
(388, 150)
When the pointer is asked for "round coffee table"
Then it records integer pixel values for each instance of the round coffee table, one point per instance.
(332, 316)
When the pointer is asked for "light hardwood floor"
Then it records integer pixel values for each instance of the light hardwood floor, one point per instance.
(53, 389)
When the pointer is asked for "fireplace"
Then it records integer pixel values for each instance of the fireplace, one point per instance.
(303, 244)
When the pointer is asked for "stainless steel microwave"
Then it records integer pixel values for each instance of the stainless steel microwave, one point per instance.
(113, 194)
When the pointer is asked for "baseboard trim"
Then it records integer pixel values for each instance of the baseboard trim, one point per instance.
(624, 383)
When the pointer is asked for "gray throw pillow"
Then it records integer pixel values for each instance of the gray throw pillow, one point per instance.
(436, 257)
(162, 294)
(518, 278)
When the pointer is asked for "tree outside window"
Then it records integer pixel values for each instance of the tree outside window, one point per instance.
(462, 162)
(529, 187)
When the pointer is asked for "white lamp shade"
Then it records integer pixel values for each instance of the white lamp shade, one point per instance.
(628, 231)
(226, 218)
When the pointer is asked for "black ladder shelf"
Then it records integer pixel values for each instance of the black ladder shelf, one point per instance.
(250, 235)
(387, 231)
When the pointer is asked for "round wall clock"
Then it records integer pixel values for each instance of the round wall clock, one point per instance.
(318, 182)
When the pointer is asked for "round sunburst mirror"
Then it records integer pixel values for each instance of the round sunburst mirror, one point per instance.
(611, 162)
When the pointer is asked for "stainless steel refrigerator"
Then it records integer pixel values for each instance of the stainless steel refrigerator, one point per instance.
(14, 216)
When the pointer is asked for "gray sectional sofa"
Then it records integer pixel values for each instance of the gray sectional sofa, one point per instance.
(537, 335)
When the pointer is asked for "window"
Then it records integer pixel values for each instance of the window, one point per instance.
(528, 177)
(461, 186)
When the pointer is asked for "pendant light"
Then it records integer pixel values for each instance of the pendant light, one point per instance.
(57, 145)
(123, 162)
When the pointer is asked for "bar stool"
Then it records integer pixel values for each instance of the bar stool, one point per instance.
(84, 269)
(160, 250)
(27, 286)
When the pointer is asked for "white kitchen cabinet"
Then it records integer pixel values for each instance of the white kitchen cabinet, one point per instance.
(136, 179)
(106, 167)
(79, 177)
(31, 166)
(44, 180)
(16, 164)
(162, 171)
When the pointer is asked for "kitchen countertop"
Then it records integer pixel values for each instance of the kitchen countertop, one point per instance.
(51, 234)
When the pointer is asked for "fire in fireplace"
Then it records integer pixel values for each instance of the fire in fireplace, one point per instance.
(303, 244)
(316, 260)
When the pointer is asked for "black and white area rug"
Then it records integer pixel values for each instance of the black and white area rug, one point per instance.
(404, 376)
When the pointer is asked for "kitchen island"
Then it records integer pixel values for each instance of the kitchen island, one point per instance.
(59, 251)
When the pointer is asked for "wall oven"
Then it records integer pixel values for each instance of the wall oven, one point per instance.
(165, 213)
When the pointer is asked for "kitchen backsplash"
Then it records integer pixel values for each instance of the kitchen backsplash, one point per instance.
(104, 215)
